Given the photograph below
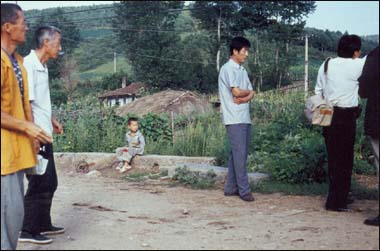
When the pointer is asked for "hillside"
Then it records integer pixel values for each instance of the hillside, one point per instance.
(94, 56)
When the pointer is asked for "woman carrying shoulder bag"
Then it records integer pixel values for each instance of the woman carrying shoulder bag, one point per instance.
(339, 85)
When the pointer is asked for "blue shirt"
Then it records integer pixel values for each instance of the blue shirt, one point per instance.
(233, 75)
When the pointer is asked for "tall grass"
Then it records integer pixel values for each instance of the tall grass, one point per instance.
(205, 136)
(283, 142)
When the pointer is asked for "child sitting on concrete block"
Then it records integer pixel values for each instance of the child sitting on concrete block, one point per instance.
(135, 144)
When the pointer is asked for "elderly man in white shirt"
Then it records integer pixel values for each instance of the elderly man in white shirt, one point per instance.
(337, 82)
(39, 196)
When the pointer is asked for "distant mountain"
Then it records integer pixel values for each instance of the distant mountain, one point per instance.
(373, 38)
(94, 55)
(87, 18)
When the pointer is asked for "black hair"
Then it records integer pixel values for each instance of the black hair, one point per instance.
(348, 44)
(45, 32)
(237, 43)
(132, 119)
(9, 13)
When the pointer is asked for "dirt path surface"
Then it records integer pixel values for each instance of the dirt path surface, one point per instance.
(111, 214)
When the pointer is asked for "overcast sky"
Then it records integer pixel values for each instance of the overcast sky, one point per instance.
(356, 17)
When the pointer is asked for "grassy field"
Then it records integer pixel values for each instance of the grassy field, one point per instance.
(106, 69)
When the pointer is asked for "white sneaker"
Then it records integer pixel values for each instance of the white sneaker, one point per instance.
(124, 169)
(119, 166)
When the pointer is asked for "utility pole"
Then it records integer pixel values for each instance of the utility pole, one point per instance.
(218, 53)
(306, 66)
(114, 62)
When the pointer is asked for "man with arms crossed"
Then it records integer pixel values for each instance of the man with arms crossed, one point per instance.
(235, 91)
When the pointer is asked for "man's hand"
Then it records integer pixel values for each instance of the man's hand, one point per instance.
(57, 127)
(37, 133)
(239, 93)
(238, 101)
(245, 99)
(36, 145)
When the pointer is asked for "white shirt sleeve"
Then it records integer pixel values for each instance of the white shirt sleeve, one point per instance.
(321, 81)
(31, 85)
(250, 85)
(229, 76)
(361, 62)
(142, 144)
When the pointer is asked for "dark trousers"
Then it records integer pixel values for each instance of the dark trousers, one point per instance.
(239, 136)
(39, 197)
(340, 140)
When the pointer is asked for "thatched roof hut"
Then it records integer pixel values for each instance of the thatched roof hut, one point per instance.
(179, 102)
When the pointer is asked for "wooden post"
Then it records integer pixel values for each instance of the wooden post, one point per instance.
(277, 68)
(218, 53)
(114, 62)
(260, 82)
(172, 125)
(306, 66)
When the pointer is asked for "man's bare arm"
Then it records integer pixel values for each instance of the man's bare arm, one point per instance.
(245, 99)
(10, 123)
(239, 93)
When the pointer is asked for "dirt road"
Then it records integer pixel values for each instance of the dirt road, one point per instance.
(105, 213)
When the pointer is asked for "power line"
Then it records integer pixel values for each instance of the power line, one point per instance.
(76, 22)
(71, 12)
(147, 29)
(152, 30)
(148, 56)
(116, 7)
(83, 20)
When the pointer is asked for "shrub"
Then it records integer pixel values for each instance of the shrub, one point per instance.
(283, 144)
(299, 159)
(363, 167)
(195, 180)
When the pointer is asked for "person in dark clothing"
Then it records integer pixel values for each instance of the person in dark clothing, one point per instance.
(339, 85)
(369, 89)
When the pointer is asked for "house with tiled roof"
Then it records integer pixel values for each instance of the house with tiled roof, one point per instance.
(124, 95)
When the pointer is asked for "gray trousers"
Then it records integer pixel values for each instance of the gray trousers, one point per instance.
(127, 156)
(12, 209)
(239, 136)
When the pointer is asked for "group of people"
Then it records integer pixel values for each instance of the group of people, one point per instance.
(340, 81)
(27, 124)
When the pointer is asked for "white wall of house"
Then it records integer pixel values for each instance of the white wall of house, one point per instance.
(120, 101)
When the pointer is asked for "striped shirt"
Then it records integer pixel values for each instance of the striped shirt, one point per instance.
(17, 71)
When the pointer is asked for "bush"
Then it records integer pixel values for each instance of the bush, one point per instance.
(89, 127)
(283, 143)
(155, 127)
(363, 167)
(299, 159)
(195, 180)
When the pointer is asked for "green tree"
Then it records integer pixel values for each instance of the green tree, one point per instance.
(218, 19)
(145, 34)
(69, 32)
(275, 21)
(280, 22)
(199, 71)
